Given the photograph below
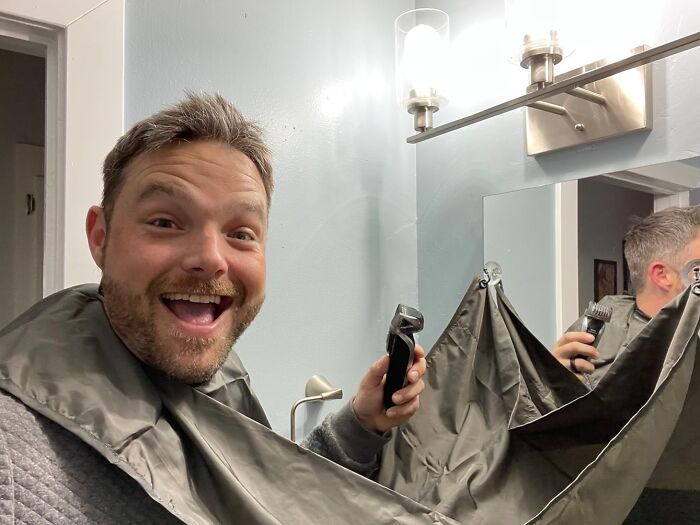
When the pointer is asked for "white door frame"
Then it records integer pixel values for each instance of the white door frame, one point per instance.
(566, 254)
(84, 42)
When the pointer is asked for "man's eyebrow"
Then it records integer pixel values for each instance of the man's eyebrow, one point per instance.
(176, 191)
(161, 188)
(253, 207)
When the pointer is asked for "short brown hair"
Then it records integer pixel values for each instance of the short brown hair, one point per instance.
(663, 236)
(197, 117)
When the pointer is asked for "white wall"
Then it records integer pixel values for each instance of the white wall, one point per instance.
(318, 76)
(21, 122)
(455, 171)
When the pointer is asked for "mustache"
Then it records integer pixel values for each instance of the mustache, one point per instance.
(192, 285)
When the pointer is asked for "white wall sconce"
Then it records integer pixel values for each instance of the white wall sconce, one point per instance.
(422, 43)
(598, 101)
(318, 388)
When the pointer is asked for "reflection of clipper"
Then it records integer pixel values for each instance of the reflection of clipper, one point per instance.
(594, 319)
(400, 346)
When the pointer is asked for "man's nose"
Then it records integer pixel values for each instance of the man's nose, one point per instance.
(205, 255)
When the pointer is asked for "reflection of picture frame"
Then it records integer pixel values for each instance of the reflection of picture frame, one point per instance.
(604, 278)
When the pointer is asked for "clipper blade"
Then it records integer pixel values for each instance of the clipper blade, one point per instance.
(598, 311)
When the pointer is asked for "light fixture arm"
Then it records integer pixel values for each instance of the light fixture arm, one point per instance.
(565, 86)
(549, 108)
(587, 94)
(557, 109)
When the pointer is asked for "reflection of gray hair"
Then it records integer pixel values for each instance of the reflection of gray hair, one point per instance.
(662, 236)
(197, 117)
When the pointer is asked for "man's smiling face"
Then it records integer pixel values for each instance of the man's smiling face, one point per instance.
(183, 258)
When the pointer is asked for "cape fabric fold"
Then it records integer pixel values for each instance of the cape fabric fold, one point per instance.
(194, 450)
(506, 435)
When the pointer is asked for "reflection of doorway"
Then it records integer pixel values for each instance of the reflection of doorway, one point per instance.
(23, 98)
(592, 217)
(606, 211)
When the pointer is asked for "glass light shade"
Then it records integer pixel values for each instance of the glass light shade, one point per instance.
(534, 26)
(422, 45)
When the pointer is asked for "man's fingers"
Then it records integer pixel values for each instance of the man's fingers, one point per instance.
(376, 372)
(574, 349)
(408, 392)
(571, 337)
(582, 365)
(400, 413)
(419, 366)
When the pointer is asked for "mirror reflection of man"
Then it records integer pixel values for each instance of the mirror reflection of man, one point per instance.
(181, 241)
(656, 248)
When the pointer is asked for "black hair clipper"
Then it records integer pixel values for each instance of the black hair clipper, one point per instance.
(594, 319)
(400, 346)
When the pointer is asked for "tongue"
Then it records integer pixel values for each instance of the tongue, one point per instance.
(195, 313)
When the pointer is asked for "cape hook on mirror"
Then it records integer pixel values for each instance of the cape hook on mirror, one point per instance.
(493, 274)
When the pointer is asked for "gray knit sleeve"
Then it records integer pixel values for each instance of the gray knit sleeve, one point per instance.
(342, 439)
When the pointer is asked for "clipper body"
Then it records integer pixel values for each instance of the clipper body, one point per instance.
(400, 346)
(594, 319)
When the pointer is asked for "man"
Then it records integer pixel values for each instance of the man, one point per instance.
(130, 367)
(657, 248)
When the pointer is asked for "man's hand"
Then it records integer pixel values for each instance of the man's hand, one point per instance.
(576, 345)
(368, 403)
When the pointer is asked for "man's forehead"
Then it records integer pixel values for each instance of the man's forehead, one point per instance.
(213, 158)
(163, 186)
(200, 151)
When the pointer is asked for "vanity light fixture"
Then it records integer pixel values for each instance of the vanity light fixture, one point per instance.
(317, 389)
(422, 43)
(589, 104)
(610, 107)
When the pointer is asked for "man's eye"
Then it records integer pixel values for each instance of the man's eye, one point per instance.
(163, 223)
(241, 235)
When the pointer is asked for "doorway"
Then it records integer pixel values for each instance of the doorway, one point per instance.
(22, 132)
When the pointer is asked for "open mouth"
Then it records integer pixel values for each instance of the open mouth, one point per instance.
(196, 309)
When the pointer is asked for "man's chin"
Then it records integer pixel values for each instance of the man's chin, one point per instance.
(189, 372)
(190, 360)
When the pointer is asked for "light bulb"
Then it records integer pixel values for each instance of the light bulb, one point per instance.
(422, 38)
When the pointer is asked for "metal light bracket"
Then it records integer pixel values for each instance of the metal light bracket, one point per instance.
(422, 108)
(609, 107)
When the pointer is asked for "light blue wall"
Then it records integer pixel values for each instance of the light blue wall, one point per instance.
(344, 245)
(342, 249)
(455, 171)
(519, 235)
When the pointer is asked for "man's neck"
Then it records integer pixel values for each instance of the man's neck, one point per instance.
(651, 303)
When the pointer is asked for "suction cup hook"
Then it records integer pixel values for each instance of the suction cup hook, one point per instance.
(492, 274)
(690, 275)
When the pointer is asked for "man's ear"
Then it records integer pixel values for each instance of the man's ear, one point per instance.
(659, 274)
(96, 229)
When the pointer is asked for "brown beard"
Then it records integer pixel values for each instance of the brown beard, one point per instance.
(188, 359)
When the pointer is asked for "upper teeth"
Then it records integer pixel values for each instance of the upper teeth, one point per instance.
(216, 299)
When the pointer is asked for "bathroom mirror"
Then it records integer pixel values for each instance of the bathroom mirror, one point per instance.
(561, 245)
